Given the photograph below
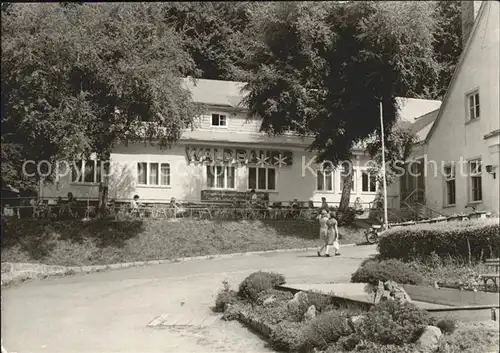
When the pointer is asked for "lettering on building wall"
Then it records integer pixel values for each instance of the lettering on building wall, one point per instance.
(245, 156)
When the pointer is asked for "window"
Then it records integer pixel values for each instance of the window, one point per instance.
(476, 192)
(262, 178)
(324, 180)
(153, 174)
(219, 120)
(344, 176)
(449, 177)
(85, 172)
(473, 105)
(368, 182)
(220, 177)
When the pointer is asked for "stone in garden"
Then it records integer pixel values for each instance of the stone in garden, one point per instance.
(397, 292)
(429, 341)
(298, 299)
(310, 313)
(379, 292)
(269, 300)
(354, 321)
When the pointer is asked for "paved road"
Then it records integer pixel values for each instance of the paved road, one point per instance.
(109, 311)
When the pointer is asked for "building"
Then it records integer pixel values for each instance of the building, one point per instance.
(459, 144)
(225, 156)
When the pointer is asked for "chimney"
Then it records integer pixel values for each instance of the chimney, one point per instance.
(469, 14)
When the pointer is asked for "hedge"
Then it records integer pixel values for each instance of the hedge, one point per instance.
(459, 239)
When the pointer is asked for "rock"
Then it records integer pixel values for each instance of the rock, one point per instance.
(298, 299)
(429, 341)
(310, 313)
(397, 292)
(356, 318)
(354, 321)
(269, 300)
(390, 285)
(379, 292)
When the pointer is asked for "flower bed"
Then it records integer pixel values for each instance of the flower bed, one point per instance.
(310, 322)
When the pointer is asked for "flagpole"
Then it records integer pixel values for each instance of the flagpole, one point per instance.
(386, 225)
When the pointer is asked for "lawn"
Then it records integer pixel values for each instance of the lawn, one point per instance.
(101, 242)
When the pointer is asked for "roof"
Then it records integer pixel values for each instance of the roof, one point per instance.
(422, 125)
(231, 94)
(215, 92)
(458, 68)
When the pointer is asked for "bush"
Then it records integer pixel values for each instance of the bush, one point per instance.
(288, 337)
(445, 239)
(346, 218)
(390, 322)
(259, 282)
(279, 295)
(393, 270)
(447, 326)
(327, 328)
(224, 298)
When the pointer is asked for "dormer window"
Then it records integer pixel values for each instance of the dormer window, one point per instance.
(219, 120)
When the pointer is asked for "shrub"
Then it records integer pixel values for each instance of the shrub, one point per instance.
(447, 325)
(445, 239)
(259, 282)
(288, 337)
(390, 322)
(327, 328)
(279, 295)
(346, 218)
(233, 312)
(394, 270)
(224, 298)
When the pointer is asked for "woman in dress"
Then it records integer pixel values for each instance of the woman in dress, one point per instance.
(333, 233)
(323, 233)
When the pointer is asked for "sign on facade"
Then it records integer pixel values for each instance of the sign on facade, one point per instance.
(239, 155)
(229, 195)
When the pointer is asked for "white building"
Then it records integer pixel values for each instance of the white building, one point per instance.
(459, 146)
(279, 168)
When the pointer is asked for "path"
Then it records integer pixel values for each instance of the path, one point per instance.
(109, 311)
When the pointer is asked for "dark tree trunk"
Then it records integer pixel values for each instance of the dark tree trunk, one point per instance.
(346, 174)
(346, 194)
(105, 165)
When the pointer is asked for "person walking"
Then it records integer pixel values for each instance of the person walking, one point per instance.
(333, 233)
(323, 233)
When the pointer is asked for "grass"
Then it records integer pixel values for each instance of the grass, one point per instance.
(101, 242)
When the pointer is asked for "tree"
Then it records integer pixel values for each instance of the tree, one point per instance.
(322, 69)
(448, 43)
(398, 146)
(76, 80)
(215, 34)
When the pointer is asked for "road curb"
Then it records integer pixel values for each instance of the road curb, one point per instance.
(19, 272)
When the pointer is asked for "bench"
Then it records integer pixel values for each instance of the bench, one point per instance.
(493, 274)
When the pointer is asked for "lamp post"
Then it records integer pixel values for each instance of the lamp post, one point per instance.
(384, 181)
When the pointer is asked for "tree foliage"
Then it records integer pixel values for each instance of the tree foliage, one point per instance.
(79, 79)
(322, 70)
(215, 34)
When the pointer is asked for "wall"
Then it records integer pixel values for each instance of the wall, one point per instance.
(455, 138)
(187, 180)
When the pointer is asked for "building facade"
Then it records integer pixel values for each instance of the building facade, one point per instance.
(224, 156)
(458, 152)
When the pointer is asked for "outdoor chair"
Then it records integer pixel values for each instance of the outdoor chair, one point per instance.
(493, 274)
